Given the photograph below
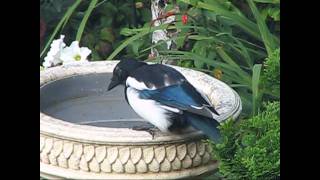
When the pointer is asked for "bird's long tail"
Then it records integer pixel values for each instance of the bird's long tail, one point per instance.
(208, 126)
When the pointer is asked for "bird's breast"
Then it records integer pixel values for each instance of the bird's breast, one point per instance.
(149, 110)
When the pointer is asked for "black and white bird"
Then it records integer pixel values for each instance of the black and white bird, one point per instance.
(162, 96)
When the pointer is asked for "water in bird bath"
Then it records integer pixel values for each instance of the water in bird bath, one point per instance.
(85, 100)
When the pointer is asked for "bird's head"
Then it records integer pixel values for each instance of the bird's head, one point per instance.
(122, 70)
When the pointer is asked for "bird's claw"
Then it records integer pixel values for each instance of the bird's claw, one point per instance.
(147, 129)
(151, 132)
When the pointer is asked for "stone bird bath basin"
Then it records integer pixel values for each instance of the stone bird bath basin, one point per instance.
(85, 130)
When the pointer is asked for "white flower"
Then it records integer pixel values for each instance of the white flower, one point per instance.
(59, 53)
(53, 56)
(74, 53)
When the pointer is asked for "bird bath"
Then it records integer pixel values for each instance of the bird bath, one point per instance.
(85, 131)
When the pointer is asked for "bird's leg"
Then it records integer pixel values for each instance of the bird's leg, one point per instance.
(151, 132)
(148, 129)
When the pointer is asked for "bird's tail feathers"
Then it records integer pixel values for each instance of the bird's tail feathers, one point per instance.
(208, 126)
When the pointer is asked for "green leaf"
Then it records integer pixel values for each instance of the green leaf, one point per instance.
(129, 32)
(270, 77)
(236, 16)
(264, 13)
(255, 87)
(268, 1)
(246, 99)
(85, 19)
(241, 21)
(61, 23)
(169, 7)
(227, 69)
(198, 64)
(159, 43)
(136, 46)
(200, 48)
(95, 56)
(274, 13)
(239, 44)
(180, 42)
(106, 21)
(267, 37)
(107, 9)
(162, 45)
(141, 32)
(146, 15)
(107, 35)
(244, 52)
(89, 40)
(231, 62)
(193, 2)
(237, 85)
(100, 3)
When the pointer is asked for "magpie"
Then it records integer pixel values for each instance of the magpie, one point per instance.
(162, 96)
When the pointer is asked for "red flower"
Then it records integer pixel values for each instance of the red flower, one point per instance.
(151, 56)
(184, 19)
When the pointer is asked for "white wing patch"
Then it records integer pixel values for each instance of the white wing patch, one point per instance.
(131, 82)
(166, 80)
(196, 107)
(149, 110)
(171, 109)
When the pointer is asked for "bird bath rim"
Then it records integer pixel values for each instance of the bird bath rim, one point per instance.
(57, 128)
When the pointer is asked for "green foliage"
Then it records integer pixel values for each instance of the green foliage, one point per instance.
(251, 147)
(255, 88)
(97, 24)
(235, 37)
(60, 25)
(271, 73)
(85, 19)
(266, 36)
(226, 35)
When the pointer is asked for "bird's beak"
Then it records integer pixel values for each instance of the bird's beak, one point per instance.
(113, 84)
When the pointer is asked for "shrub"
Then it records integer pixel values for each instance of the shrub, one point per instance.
(251, 147)
(271, 73)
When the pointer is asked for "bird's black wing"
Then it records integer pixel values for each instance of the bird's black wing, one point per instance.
(158, 76)
(182, 96)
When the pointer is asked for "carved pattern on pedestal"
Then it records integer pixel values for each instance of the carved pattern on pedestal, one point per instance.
(123, 159)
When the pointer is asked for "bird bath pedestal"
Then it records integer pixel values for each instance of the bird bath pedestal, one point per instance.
(85, 131)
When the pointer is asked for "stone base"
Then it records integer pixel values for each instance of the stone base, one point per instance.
(54, 172)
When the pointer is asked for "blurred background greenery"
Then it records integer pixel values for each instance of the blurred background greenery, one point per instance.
(102, 30)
